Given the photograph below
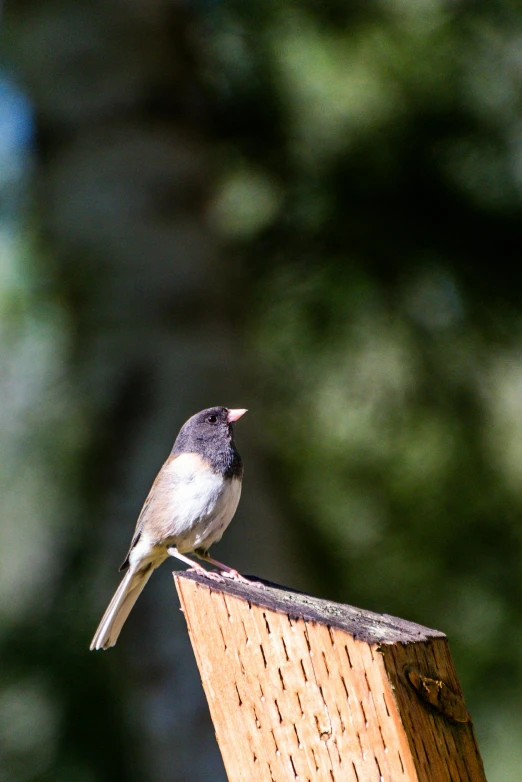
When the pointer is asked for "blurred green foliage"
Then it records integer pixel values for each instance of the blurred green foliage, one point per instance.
(382, 147)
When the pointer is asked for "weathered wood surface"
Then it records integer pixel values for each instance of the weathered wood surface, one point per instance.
(305, 689)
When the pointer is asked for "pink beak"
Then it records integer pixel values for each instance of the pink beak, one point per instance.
(235, 415)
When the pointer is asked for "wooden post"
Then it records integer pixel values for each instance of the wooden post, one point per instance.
(305, 689)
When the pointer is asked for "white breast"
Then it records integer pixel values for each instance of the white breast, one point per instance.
(198, 504)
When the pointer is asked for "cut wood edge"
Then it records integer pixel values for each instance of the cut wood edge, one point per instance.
(360, 695)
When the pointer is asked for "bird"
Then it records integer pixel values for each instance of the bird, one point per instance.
(190, 504)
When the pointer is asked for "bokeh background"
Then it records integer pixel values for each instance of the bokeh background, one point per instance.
(310, 209)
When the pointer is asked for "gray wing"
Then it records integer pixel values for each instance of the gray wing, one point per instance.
(148, 506)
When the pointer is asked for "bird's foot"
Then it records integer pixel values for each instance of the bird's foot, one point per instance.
(234, 575)
(195, 567)
(225, 570)
(213, 575)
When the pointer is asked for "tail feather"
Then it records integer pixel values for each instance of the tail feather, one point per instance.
(120, 607)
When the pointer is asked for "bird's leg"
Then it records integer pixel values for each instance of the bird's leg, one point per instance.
(227, 571)
(173, 552)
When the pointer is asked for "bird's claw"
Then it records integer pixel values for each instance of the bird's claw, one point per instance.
(213, 576)
(233, 575)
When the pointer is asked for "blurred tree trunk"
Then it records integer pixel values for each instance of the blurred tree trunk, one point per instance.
(123, 173)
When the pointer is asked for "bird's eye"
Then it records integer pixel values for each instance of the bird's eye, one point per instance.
(212, 419)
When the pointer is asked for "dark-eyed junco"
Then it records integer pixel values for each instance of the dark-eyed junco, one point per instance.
(190, 505)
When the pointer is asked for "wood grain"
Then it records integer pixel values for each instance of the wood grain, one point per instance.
(306, 689)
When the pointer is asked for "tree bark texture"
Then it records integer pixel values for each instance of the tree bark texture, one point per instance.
(302, 688)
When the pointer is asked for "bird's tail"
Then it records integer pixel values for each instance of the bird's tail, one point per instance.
(120, 607)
